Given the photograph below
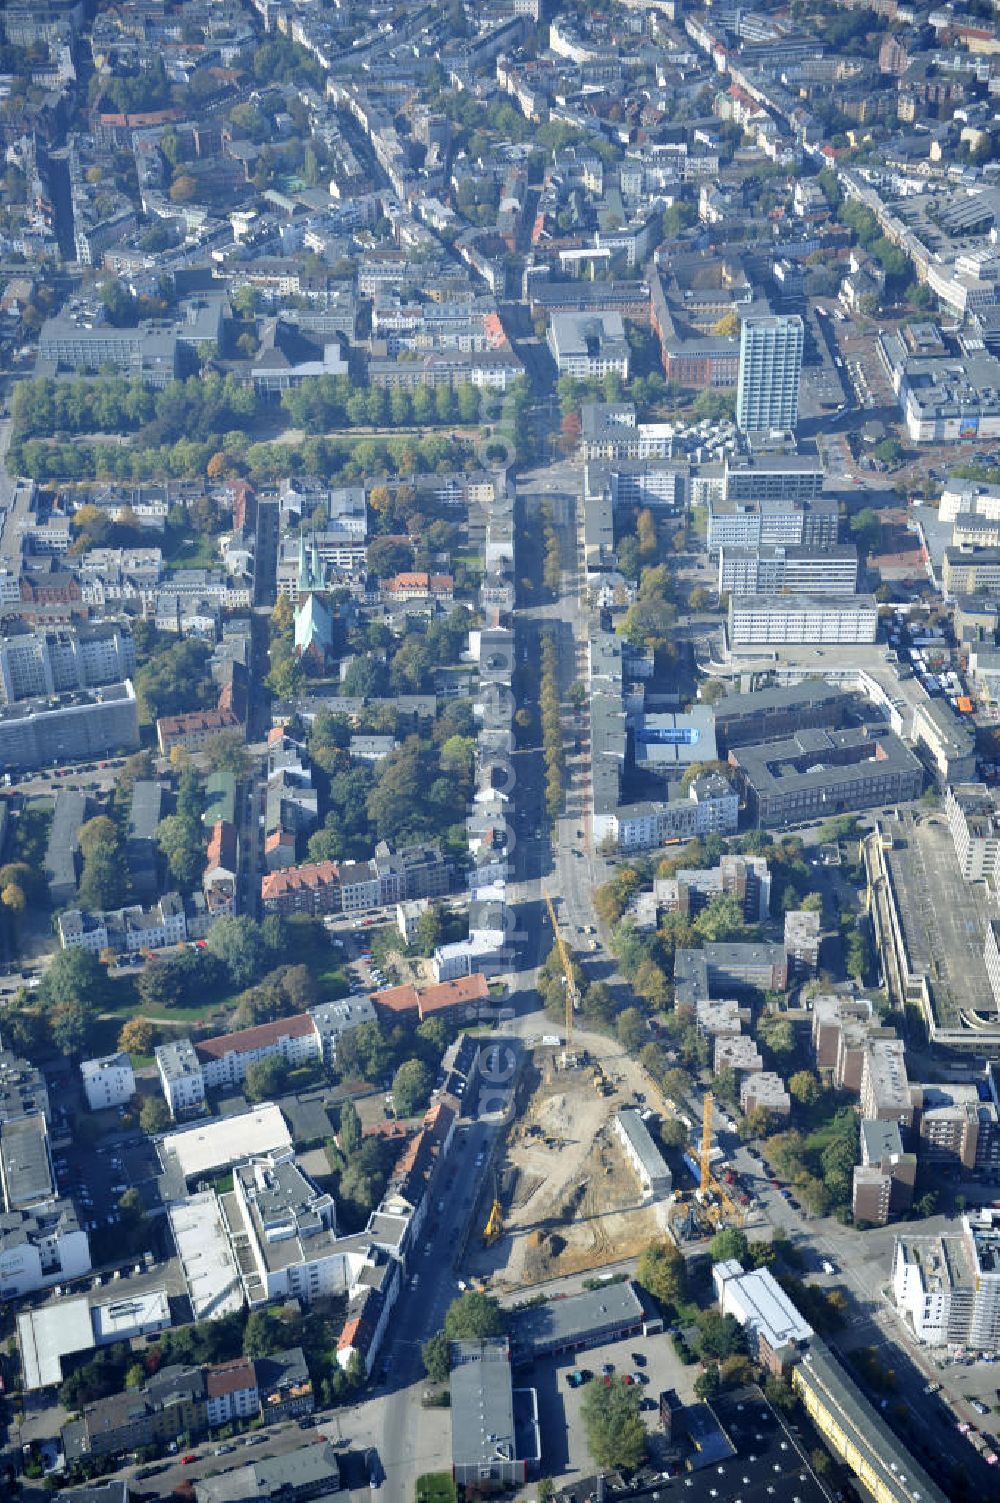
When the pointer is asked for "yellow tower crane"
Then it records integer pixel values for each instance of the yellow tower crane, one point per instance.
(709, 1183)
(567, 966)
(706, 1143)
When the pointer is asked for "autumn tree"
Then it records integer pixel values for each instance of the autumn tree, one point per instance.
(136, 1036)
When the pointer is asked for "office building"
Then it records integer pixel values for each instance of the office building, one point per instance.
(949, 1286)
(69, 728)
(947, 741)
(973, 812)
(764, 476)
(885, 1086)
(770, 369)
(589, 346)
(797, 619)
(774, 713)
(785, 568)
(816, 774)
(108, 1082)
(768, 522)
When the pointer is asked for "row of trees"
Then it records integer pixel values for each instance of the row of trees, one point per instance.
(343, 461)
(199, 408)
(552, 737)
(334, 402)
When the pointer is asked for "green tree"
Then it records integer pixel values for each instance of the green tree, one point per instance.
(708, 1383)
(73, 977)
(350, 1130)
(265, 1078)
(154, 1115)
(866, 528)
(720, 1335)
(728, 1243)
(434, 1354)
(236, 941)
(411, 1087)
(804, 1087)
(263, 1335)
(616, 1436)
(472, 1317)
(662, 1270)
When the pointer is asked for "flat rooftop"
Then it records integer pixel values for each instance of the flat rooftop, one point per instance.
(211, 1146)
(48, 1334)
(563, 1321)
(943, 923)
(482, 1403)
(210, 1274)
(24, 1162)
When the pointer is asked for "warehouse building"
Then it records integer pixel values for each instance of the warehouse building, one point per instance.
(590, 1318)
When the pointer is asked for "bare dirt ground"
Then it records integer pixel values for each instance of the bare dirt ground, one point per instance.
(571, 1200)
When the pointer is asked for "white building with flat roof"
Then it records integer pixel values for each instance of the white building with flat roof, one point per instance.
(108, 1082)
(205, 1254)
(774, 1326)
(216, 1145)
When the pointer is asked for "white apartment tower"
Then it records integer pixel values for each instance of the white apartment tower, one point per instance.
(767, 392)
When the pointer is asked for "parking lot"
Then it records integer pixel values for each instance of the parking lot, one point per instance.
(563, 1435)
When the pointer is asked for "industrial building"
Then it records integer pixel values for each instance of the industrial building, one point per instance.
(590, 1318)
(495, 1435)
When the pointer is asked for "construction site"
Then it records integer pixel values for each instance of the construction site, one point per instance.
(582, 1178)
(568, 1198)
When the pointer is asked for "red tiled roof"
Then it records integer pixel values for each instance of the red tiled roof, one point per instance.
(314, 874)
(222, 846)
(230, 1377)
(196, 720)
(297, 1027)
(438, 998)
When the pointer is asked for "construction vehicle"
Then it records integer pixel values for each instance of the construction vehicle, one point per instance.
(572, 999)
(493, 1230)
(715, 1198)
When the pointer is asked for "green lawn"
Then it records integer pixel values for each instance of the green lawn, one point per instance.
(435, 1487)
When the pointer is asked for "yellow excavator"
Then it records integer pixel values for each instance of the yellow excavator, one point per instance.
(493, 1230)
